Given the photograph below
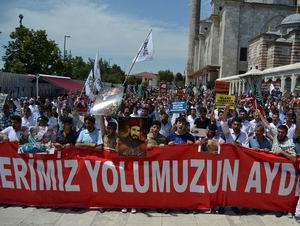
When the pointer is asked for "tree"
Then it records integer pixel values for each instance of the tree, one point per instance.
(134, 80)
(166, 76)
(112, 74)
(179, 80)
(77, 68)
(31, 52)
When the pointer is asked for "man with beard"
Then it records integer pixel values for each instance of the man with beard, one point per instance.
(233, 135)
(282, 145)
(15, 132)
(254, 122)
(246, 126)
(109, 134)
(90, 137)
(132, 145)
(165, 126)
(259, 141)
(212, 140)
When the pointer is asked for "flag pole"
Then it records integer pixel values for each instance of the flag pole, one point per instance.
(83, 88)
(133, 63)
(95, 66)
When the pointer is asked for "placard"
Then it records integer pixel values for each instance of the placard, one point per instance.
(132, 136)
(178, 107)
(223, 100)
(3, 97)
(222, 87)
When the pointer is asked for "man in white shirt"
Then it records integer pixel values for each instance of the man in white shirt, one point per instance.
(254, 122)
(234, 135)
(191, 118)
(14, 132)
(275, 119)
(246, 126)
(291, 126)
(166, 126)
(28, 120)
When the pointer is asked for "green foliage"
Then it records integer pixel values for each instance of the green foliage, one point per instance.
(77, 68)
(134, 80)
(180, 84)
(166, 76)
(179, 80)
(31, 52)
(112, 74)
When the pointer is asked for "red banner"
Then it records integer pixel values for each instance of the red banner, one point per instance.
(175, 176)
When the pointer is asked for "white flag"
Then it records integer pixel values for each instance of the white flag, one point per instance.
(271, 88)
(146, 51)
(89, 83)
(97, 75)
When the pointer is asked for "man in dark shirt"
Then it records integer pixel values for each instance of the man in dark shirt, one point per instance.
(202, 122)
(5, 117)
(67, 136)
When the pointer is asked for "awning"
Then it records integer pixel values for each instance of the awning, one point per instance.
(64, 83)
(205, 70)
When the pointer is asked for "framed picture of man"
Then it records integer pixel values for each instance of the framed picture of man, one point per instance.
(132, 136)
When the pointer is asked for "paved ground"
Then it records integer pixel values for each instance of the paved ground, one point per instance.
(15, 215)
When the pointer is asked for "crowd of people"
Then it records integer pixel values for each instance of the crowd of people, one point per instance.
(40, 124)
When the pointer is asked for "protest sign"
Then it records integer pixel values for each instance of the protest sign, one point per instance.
(163, 88)
(132, 136)
(222, 87)
(81, 104)
(178, 107)
(180, 93)
(223, 100)
(3, 97)
(176, 176)
(198, 132)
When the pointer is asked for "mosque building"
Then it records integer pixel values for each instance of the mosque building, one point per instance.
(241, 36)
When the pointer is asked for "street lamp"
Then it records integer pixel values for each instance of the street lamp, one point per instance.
(65, 37)
(37, 76)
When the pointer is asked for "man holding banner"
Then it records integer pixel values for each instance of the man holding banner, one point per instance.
(90, 137)
(181, 134)
(282, 145)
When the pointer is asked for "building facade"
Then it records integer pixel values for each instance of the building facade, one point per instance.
(273, 59)
(220, 48)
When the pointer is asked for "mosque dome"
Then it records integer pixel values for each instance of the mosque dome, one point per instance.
(291, 20)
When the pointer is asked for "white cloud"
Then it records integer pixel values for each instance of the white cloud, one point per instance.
(94, 27)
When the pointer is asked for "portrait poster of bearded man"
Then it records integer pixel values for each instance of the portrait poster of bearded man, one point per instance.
(132, 136)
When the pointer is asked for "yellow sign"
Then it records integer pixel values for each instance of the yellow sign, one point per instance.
(223, 100)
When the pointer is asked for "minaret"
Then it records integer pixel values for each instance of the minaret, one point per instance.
(193, 33)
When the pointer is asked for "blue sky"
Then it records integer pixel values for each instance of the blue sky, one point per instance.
(113, 28)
